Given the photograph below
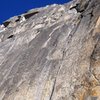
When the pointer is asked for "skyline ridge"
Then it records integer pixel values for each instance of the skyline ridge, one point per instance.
(12, 8)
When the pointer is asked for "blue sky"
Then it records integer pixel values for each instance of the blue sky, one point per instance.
(9, 8)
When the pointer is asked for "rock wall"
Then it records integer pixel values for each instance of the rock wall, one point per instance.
(52, 53)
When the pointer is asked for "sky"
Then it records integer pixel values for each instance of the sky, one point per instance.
(10, 8)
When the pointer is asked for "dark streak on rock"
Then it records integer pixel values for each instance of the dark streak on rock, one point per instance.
(11, 36)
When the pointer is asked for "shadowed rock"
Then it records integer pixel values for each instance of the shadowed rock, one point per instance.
(6, 23)
(28, 15)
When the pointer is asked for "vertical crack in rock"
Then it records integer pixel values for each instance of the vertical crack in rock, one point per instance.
(53, 88)
(54, 85)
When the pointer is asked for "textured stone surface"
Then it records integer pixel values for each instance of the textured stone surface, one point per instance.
(52, 53)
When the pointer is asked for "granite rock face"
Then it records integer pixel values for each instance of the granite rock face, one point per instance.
(52, 53)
